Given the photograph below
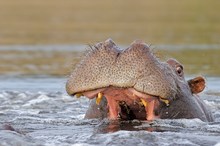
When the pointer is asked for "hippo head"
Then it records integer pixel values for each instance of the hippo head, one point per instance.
(135, 83)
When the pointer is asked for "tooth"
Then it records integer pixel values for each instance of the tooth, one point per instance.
(99, 98)
(144, 102)
(78, 95)
(165, 101)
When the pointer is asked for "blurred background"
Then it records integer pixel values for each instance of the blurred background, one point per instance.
(48, 37)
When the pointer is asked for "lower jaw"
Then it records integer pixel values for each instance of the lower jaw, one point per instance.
(115, 111)
(114, 95)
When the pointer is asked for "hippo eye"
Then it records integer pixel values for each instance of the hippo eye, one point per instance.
(179, 70)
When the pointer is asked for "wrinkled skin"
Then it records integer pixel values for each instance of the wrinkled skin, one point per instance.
(134, 84)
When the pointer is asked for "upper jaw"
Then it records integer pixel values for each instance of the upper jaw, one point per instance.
(119, 97)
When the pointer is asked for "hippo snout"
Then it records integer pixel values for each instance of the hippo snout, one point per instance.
(135, 67)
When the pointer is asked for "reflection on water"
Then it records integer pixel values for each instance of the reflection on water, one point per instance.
(60, 60)
(107, 126)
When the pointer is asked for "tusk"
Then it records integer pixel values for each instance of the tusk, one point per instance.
(165, 101)
(143, 102)
(99, 98)
(78, 95)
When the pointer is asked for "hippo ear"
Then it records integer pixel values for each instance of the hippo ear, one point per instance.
(197, 84)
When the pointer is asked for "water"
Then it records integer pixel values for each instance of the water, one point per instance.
(36, 110)
(41, 113)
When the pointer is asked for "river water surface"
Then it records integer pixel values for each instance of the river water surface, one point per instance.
(36, 110)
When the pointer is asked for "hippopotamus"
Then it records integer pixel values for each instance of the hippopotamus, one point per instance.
(133, 83)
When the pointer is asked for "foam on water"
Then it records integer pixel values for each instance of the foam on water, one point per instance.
(41, 113)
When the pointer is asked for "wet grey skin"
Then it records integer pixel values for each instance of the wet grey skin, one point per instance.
(105, 66)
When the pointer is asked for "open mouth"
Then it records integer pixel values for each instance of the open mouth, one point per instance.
(127, 103)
